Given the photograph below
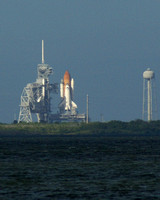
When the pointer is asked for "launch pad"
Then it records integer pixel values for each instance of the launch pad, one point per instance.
(36, 98)
(68, 118)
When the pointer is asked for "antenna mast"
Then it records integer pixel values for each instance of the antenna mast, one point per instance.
(42, 51)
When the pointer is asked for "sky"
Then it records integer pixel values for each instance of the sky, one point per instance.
(106, 45)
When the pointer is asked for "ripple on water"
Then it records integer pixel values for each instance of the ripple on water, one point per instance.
(79, 168)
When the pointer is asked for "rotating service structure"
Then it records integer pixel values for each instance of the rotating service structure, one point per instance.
(149, 111)
(36, 97)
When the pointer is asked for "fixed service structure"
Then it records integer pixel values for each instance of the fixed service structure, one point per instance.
(36, 96)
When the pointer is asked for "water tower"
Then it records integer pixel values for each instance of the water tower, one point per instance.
(149, 95)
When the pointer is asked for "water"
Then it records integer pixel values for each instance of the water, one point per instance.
(61, 168)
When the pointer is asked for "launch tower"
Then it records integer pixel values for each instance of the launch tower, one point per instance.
(35, 97)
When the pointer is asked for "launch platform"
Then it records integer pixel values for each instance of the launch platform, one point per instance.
(67, 118)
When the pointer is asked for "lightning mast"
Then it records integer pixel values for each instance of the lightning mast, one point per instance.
(87, 110)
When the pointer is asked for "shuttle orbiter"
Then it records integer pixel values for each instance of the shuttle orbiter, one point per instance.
(66, 93)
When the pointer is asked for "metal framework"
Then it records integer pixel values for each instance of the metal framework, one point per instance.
(25, 111)
(35, 97)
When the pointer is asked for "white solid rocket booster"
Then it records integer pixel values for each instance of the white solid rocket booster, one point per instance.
(72, 87)
(61, 88)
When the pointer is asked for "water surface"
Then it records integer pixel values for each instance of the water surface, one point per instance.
(50, 167)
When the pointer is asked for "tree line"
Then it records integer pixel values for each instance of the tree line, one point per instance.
(114, 127)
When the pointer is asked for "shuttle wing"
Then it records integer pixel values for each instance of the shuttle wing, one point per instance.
(73, 104)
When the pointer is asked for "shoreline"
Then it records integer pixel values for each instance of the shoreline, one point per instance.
(111, 128)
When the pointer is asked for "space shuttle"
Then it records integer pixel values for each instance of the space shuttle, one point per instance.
(66, 94)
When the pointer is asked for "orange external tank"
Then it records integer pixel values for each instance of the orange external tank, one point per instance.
(67, 80)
